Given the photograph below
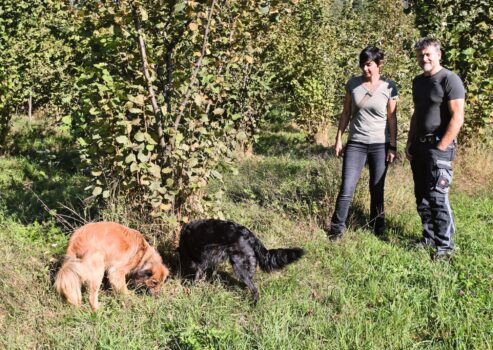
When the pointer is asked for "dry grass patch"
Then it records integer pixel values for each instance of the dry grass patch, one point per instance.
(474, 171)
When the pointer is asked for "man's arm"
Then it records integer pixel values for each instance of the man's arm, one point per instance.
(456, 108)
(410, 135)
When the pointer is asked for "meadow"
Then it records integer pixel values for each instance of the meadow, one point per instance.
(363, 292)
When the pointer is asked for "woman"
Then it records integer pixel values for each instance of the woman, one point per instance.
(370, 103)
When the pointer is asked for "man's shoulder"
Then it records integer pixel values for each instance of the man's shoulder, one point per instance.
(419, 77)
(451, 76)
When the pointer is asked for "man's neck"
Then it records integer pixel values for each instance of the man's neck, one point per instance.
(433, 71)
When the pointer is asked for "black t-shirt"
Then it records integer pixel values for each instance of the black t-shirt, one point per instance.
(431, 95)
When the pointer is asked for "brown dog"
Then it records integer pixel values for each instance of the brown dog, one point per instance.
(107, 246)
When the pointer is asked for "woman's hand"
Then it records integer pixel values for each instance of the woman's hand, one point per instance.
(391, 154)
(338, 148)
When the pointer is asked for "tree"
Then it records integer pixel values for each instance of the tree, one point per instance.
(166, 92)
(34, 57)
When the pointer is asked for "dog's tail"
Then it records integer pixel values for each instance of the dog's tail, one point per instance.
(274, 259)
(68, 281)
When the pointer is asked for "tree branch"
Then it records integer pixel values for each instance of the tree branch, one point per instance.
(145, 66)
(198, 64)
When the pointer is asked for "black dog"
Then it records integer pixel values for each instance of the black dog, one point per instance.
(205, 243)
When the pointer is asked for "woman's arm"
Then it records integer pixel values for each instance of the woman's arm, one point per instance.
(392, 120)
(343, 122)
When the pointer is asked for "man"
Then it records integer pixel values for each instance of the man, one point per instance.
(438, 96)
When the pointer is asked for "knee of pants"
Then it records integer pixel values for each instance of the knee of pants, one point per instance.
(347, 192)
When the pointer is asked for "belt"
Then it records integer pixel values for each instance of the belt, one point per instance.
(429, 139)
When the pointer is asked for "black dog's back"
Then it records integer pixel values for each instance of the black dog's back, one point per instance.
(204, 243)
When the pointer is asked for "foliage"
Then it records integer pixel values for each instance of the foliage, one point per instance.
(465, 30)
(316, 51)
(34, 58)
(302, 57)
(166, 92)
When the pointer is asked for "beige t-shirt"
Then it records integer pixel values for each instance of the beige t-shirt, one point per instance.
(369, 118)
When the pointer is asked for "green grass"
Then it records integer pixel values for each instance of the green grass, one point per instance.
(359, 293)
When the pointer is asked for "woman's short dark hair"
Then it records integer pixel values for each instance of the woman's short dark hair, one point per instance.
(370, 53)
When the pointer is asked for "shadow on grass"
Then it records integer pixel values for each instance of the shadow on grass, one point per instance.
(358, 218)
(35, 193)
(39, 176)
(294, 144)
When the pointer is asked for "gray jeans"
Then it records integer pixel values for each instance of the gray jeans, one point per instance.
(355, 157)
(432, 174)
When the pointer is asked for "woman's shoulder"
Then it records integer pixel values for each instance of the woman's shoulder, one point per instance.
(388, 81)
(390, 84)
(353, 82)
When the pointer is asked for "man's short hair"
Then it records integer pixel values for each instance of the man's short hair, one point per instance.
(427, 42)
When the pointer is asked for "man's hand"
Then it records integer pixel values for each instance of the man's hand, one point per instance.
(441, 147)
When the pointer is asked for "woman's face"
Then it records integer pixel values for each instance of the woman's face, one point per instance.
(370, 68)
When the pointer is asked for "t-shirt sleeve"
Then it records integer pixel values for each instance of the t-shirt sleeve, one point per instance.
(394, 94)
(351, 84)
(454, 88)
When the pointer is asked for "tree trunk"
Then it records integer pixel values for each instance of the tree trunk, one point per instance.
(145, 66)
(30, 106)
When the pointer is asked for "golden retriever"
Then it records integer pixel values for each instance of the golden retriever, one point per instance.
(108, 247)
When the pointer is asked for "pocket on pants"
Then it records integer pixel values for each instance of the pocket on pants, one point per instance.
(443, 175)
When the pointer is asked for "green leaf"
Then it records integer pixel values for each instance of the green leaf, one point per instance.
(218, 111)
(142, 157)
(143, 14)
(216, 174)
(149, 139)
(97, 191)
(155, 170)
(178, 8)
(122, 139)
(67, 120)
(193, 162)
(130, 158)
(179, 137)
(241, 136)
(139, 137)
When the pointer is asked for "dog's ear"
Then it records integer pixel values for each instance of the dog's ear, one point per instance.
(144, 273)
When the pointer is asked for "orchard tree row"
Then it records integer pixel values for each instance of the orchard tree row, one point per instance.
(160, 95)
